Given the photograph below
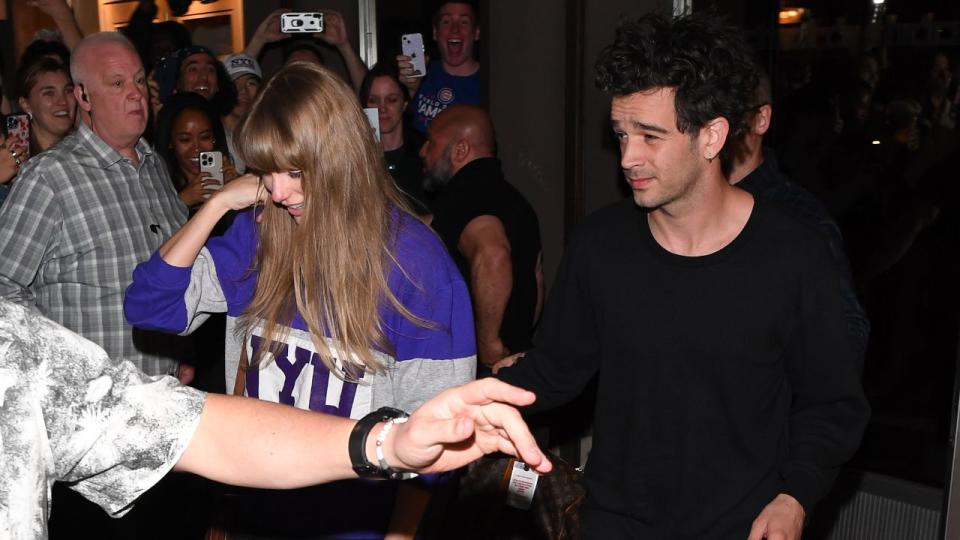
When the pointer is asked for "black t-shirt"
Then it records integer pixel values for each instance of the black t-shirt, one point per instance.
(406, 167)
(479, 189)
(723, 380)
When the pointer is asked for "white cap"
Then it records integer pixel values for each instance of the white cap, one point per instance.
(240, 64)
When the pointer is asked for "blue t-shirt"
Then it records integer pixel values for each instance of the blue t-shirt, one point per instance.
(439, 90)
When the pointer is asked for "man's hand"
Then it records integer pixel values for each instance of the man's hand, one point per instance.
(491, 353)
(334, 29)
(405, 73)
(782, 519)
(506, 362)
(461, 424)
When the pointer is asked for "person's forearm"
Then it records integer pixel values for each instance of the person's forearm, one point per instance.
(182, 248)
(491, 282)
(355, 66)
(69, 29)
(282, 447)
(254, 47)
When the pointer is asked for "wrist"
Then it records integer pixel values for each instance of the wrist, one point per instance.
(371, 445)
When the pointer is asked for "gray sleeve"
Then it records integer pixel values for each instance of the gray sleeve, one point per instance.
(407, 385)
(204, 295)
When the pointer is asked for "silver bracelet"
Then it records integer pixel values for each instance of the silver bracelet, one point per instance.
(388, 471)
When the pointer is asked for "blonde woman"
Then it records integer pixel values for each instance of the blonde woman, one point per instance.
(340, 298)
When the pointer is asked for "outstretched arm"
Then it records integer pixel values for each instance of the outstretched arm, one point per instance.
(290, 447)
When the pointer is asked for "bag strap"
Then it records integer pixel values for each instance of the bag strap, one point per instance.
(240, 385)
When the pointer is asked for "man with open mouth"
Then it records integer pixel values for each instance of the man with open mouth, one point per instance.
(455, 78)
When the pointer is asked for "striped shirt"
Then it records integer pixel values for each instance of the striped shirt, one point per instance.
(77, 221)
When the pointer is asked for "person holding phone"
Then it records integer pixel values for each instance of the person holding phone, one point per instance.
(401, 146)
(9, 163)
(455, 78)
(338, 299)
(300, 48)
(46, 96)
(187, 126)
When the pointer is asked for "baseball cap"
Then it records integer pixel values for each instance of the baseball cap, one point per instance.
(240, 64)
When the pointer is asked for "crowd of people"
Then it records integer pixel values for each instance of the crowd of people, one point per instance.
(725, 311)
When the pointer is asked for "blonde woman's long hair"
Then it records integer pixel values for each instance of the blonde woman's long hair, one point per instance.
(333, 266)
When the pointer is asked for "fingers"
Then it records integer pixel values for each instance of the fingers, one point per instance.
(488, 390)
(758, 529)
(511, 435)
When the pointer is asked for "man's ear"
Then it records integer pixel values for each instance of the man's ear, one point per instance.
(761, 120)
(713, 136)
(81, 97)
(476, 33)
(460, 152)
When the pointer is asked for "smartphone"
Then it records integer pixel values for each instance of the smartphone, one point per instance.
(307, 23)
(373, 116)
(212, 163)
(18, 133)
(412, 46)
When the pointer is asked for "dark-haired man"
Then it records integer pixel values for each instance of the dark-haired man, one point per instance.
(728, 392)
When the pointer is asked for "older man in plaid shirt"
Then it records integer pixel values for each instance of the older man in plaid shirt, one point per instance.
(82, 214)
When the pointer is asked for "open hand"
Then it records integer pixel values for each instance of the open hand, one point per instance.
(462, 424)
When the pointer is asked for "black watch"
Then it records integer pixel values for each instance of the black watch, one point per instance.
(357, 446)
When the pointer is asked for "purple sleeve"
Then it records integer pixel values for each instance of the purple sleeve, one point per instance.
(167, 298)
(154, 300)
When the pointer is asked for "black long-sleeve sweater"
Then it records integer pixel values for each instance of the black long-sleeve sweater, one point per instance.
(723, 380)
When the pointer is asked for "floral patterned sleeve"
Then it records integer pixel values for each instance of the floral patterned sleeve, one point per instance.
(67, 412)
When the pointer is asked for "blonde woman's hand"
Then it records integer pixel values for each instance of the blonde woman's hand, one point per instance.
(242, 192)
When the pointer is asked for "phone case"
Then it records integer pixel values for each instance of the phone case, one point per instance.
(18, 133)
(295, 23)
(412, 46)
(212, 162)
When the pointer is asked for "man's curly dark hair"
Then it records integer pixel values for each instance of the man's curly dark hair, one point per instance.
(707, 62)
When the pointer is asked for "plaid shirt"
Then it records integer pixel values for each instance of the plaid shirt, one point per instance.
(78, 219)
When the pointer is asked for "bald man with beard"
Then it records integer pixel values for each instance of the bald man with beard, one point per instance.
(489, 228)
